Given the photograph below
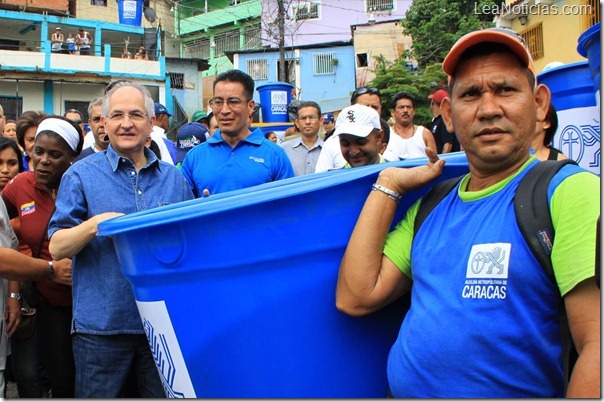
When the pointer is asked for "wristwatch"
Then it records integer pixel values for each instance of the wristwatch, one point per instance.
(16, 296)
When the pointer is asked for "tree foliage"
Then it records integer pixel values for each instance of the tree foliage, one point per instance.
(435, 25)
(395, 76)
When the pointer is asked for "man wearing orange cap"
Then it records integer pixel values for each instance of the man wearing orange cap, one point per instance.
(445, 141)
(484, 315)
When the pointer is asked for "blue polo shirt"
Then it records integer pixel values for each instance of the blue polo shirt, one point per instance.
(218, 167)
(103, 301)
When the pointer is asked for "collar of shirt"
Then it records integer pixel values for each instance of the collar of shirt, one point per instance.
(114, 158)
(298, 142)
(255, 137)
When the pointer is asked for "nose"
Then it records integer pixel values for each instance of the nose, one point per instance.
(4, 167)
(488, 107)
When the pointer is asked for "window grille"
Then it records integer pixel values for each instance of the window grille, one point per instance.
(102, 3)
(198, 48)
(227, 41)
(258, 69)
(12, 105)
(177, 80)
(533, 36)
(379, 5)
(324, 63)
(253, 37)
(590, 10)
(305, 10)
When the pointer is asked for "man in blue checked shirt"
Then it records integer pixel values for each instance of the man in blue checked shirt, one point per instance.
(108, 337)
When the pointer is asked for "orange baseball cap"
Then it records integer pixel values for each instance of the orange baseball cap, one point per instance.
(506, 37)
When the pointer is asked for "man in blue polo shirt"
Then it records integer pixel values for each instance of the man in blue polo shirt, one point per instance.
(234, 157)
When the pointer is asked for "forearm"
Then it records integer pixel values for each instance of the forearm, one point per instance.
(447, 148)
(585, 379)
(66, 243)
(359, 277)
(15, 266)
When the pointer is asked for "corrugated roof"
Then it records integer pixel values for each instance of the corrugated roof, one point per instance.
(226, 16)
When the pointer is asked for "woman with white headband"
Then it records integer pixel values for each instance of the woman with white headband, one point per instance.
(31, 196)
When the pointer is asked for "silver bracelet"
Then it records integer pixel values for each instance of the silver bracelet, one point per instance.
(391, 194)
(51, 267)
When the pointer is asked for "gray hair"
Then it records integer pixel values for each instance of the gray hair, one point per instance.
(94, 103)
(149, 104)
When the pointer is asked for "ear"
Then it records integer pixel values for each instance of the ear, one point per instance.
(251, 106)
(445, 112)
(542, 98)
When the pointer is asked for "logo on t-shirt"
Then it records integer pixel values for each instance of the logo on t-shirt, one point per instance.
(487, 271)
(28, 208)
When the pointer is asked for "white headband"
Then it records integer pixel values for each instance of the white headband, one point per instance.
(63, 128)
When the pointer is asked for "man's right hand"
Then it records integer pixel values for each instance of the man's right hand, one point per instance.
(403, 180)
(62, 271)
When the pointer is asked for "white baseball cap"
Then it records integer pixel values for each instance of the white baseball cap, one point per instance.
(358, 120)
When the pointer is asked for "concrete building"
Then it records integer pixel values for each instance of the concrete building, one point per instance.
(32, 77)
(551, 28)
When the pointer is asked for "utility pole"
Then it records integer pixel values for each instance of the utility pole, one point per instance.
(281, 24)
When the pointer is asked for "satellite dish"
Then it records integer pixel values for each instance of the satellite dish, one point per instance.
(150, 14)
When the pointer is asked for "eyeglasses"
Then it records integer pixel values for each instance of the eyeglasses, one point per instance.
(366, 90)
(234, 103)
(136, 117)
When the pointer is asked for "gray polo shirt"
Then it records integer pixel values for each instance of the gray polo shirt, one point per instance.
(301, 157)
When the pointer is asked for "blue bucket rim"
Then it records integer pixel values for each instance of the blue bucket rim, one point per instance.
(568, 66)
(274, 83)
(276, 190)
(586, 37)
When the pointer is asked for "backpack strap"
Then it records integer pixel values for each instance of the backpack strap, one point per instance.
(532, 211)
(431, 200)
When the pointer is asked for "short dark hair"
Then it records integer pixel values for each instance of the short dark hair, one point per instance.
(75, 126)
(486, 49)
(30, 118)
(552, 118)
(8, 143)
(385, 130)
(362, 91)
(304, 104)
(240, 77)
(402, 95)
(74, 111)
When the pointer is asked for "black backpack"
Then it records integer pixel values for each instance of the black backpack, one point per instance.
(535, 224)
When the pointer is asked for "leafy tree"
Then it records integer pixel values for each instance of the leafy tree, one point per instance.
(395, 76)
(435, 25)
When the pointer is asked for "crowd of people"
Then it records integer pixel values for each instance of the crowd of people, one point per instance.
(58, 183)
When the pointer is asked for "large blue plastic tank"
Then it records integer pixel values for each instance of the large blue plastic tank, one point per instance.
(237, 291)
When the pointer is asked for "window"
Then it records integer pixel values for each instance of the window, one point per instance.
(258, 69)
(305, 10)
(79, 105)
(533, 36)
(252, 37)
(324, 63)
(362, 60)
(102, 3)
(177, 80)
(379, 5)
(198, 48)
(13, 106)
(590, 10)
(227, 41)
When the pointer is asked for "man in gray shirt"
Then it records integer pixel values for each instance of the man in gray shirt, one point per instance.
(303, 152)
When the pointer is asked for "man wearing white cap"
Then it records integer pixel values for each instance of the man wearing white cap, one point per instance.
(359, 131)
(484, 319)
(57, 39)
